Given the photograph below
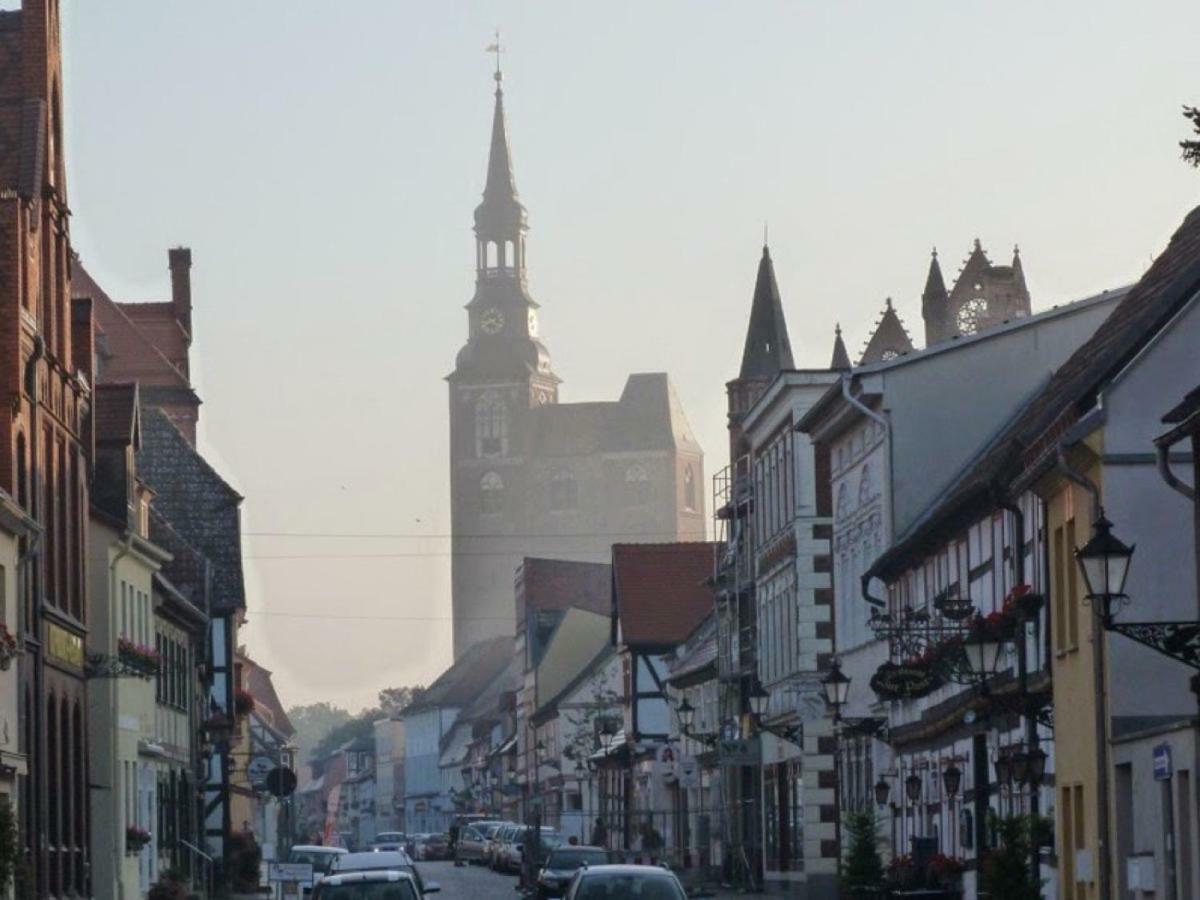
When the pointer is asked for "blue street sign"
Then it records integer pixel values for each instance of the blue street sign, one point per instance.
(1162, 762)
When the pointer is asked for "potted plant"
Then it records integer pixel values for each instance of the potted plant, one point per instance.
(243, 702)
(8, 648)
(945, 871)
(135, 839)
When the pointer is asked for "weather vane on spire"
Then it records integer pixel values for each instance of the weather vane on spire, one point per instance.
(497, 48)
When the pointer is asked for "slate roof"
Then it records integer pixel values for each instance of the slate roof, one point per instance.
(767, 351)
(188, 571)
(661, 591)
(1026, 443)
(199, 504)
(467, 678)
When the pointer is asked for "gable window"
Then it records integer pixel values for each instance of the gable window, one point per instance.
(564, 492)
(491, 425)
(689, 487)
(866, 490)
(491, 493)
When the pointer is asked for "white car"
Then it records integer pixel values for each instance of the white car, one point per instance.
(319, 856)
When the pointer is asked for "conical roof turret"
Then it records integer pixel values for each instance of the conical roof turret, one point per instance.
(841, 359)
(934, 297)
(768, 350)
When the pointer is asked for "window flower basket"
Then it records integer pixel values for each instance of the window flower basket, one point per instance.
(1023, 602)
(243, 702)
(945, 871)
(138, 658)
(996, 627)
(135, 839)
(8, 648)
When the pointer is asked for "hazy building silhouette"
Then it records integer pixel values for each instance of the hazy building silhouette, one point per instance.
(530, 476)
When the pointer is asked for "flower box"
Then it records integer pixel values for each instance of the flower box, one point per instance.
(135, 839)
(8, 648)
(138, 658)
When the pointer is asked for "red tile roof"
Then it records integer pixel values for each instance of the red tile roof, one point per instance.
(661, 591)
(553, 584)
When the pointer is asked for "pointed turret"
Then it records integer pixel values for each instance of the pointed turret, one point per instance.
(889, 340)
(1018, 271)
(500, 220)
(501, 185)
(768, 350)
(841, 359)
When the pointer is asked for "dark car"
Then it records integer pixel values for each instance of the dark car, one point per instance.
(383, 885)
(384, 861)
(625, 883)
(561, 865)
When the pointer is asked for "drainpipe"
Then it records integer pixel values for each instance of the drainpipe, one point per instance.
(1099, 687)
(124, 549)
(1163, 460)
(38, 751)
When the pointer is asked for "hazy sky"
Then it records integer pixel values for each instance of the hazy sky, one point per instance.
(323, 160)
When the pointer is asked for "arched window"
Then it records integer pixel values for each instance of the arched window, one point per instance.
(491, 425)
(689, 487)
(491, 493)
(564, 492)
(637, 486)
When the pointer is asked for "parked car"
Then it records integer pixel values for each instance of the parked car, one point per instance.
(390, 840)
(499, 842)
(319, 856)
(491, 843)
(562, 862)
(381, 885)
(384, 861)
(611, 882)
(436, 846)
(472, 839)
(512, 853)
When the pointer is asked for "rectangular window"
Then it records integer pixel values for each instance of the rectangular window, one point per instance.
(1072, 596)
(1060, 594)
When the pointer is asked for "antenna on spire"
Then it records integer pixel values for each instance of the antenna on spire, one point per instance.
(497, 48)
(766, 232)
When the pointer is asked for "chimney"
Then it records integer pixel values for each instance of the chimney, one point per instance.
(181, 287)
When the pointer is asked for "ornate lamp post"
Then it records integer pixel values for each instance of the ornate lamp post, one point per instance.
(1104, 561)
(952, 780)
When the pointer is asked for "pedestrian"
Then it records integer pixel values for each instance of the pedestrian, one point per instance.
(454, 831)
(599, 834)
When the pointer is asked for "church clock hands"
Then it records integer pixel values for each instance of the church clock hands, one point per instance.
(491, 321)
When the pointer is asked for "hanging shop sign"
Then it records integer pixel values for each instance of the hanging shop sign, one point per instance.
(895, 681)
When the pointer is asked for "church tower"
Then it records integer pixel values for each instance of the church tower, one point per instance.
(983, 296)
(501, 373)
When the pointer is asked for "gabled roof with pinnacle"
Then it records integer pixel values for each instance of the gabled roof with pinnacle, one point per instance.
(841, 359)
(935, 294)
(890, 338)
(768, 350)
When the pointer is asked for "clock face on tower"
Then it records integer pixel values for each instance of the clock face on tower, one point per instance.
(532, 323)
(491, 321)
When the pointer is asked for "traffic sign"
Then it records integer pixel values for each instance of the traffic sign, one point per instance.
(1162, 762)
(258, 768)
(281, 781)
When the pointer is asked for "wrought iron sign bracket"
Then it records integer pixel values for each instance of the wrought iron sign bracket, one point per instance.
(1178, 640)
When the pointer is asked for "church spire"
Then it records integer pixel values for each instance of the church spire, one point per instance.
(841, 359)
(768, 350)
(501, 186)
(935, 303)
(500, 220)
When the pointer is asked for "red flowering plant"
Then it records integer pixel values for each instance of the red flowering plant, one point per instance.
(994, 627)
(943, 869)
(243, 702)
(8, 647)
(901, 872)
(141, 659)
(1023, 602)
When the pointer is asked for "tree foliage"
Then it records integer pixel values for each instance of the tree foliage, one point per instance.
(862, 870)
(1006, 871)
(1191, 148)
(394, 699)
(313, 722)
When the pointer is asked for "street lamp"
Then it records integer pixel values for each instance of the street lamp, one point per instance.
(686, 713)
(1033, 766)
(837, 688)
(984, 654)
(1004, 766)
(883, 790)
(1104, 561)
(759, 699)
(952, 780)
(912, 787)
